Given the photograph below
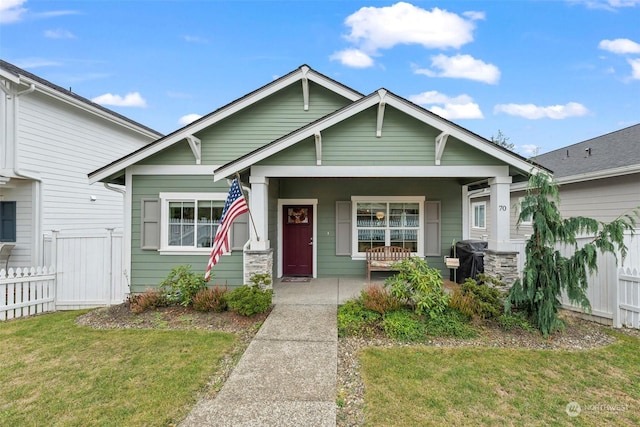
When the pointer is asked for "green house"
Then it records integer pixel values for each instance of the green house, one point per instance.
(327, 172)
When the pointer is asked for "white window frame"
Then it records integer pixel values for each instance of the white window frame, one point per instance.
(385, 199)
(475, 225)
(165, 199)
(528, 223)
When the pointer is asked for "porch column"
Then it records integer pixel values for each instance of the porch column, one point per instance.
(259, 206)
(499, 231)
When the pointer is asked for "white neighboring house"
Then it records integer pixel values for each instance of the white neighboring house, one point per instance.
(50, 140)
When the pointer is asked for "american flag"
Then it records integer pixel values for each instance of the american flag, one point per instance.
(235, 206)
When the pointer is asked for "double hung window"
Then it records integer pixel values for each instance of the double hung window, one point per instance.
(388, 222)
(191, 220)
(479, 215)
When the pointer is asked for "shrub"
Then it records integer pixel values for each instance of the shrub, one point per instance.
(379, 299)
(355, 319)
(181, 285)
(514, 320)
(450, 323)
(249, 300)
(404, 325)
(419, 286)
(211, 299)
(151, 298)
(477, 299)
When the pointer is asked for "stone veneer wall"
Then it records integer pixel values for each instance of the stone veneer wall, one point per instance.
(503, 265)
(257, 262)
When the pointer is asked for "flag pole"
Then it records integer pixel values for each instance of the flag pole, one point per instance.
(249, 210)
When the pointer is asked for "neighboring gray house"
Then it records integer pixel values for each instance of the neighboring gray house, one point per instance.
(599, 178)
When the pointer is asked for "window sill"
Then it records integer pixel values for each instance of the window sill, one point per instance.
(201, 251)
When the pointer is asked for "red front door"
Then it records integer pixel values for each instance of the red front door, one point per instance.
(297, 244)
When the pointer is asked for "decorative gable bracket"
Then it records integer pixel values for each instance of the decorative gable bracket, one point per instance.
(318, 138)
(441, 142)
(381, 93)
(195, 145)
(305, 87)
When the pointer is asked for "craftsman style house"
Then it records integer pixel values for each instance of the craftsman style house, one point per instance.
(328, 172)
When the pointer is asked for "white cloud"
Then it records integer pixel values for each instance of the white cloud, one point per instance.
(458, 107)
(195, 39)
(189, 118)
(463, 67)
(475, 15)
(534, 112)
(374, 28)
(59, 34)
(352, 58)
(133, 99)
(635, 68)
(620, 46)
(11, 11)
(611, 5)
(529, 150)
(27, 63)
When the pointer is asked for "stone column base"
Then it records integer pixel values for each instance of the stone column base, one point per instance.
(257, 262)
(502, 265)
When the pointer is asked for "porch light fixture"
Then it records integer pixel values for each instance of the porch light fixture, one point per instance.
(380, 215)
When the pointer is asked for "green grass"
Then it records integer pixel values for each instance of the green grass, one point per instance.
(56, 373)
(422, 386)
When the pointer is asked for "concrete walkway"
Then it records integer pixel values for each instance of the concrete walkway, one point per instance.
(287, 376)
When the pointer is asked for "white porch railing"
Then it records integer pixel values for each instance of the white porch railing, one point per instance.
(24, 292)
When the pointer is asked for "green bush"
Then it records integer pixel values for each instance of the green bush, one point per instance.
(450, 323)
(478, 299)
(181, 285)
(355, 319)
(211, 299)
(249, 300)
(419, 286)
(514, 320)
(379, 299)
(404, 325)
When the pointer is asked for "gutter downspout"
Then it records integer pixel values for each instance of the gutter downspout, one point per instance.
(124, 274)
(37, 202)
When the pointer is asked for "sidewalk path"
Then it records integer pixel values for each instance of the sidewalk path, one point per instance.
(287, 376)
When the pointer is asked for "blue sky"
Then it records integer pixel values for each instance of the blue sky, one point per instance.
(545, 73)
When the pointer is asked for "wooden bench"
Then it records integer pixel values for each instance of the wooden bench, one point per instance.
(383, 258)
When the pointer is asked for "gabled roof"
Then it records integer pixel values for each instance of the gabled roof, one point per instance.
(299, 74)
(19, 76)
(388, 98)
(617, 151)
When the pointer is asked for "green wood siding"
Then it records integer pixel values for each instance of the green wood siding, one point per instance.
(328, 191)
(149, 267)
(254, 126)
(405, 141)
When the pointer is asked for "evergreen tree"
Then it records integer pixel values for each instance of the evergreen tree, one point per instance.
(546, 272)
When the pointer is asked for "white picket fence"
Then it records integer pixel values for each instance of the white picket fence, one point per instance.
(25, 292)
(85, 271)
(614, 292)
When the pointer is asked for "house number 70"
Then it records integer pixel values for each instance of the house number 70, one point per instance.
(502, 208)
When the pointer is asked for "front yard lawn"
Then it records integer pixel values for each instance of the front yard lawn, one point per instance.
(421, 386)
(57, 373)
